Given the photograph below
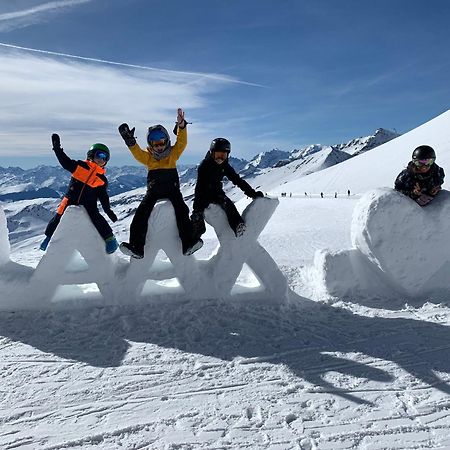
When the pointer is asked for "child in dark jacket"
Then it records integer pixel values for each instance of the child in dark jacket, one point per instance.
(87, 185)
(209, 188)
(163, 182)
(422, 179)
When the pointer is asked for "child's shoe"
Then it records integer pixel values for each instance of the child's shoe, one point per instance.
(197, 246)
(111, 244)
(240, 229)
(131, 250)
(44, 243)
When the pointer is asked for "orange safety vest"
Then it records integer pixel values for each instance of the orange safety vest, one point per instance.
(89, 177)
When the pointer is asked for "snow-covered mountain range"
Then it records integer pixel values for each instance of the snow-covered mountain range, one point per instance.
(51, 181)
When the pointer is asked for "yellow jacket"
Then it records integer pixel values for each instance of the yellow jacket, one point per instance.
(146, 158)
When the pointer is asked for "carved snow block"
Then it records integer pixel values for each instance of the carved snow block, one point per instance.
(233, 252)
(75, 266)
(147, 278)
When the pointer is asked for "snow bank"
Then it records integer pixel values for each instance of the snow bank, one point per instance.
(76, 272)
(398, 248)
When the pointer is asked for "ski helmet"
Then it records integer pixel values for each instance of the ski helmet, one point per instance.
(423, 152)
(98, 148)
(157, 133)
(220, 145)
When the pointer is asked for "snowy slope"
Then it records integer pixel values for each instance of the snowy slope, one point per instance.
(360, 372)
(378, 167)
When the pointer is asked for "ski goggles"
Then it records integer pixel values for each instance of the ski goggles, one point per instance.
(423, 162)
(160, 143)
(102, 155)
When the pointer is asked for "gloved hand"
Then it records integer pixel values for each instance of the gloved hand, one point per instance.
(56, 142)
(112, 215)
(181, 122)
(258, 194)
(127, 134)
(424, 199)
(198, 224)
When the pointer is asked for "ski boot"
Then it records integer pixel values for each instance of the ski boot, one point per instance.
(193, 248)
(131, 250)
(240, 229)
(111, 245)
(44, 243)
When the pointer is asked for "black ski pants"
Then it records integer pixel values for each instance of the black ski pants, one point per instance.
(233, 216)
(97, 219)
(139, 224)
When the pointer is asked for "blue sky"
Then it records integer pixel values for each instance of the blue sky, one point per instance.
(262, 73)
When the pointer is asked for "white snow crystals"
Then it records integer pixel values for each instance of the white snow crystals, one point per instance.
(76, 271)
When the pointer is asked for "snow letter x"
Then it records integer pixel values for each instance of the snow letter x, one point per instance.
(233, 252)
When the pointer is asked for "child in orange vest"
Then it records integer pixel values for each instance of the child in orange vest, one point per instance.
(87, 185)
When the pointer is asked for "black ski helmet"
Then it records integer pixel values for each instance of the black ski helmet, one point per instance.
(98, 147)
(220, 145)
(423, 152)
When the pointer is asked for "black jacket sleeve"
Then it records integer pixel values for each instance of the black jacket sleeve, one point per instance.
(66, 162)
(231, 174)
(404, 183)
(104, 198)
(440, 177)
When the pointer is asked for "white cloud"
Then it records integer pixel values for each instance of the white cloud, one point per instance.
(85, 102)
(25, 17)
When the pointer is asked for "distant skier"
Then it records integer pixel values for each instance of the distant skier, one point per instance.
(208, 189)
(423, 178)
(348, 192)
(163, 182)
(87, 185)
(321, 194)
(335, 195)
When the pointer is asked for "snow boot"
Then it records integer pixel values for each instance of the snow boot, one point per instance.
(193, 248)
(240, 229)
(111, 244)
(131, 250)
(44, 243)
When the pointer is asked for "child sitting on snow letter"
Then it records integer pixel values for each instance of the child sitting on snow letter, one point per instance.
(422, 179)
(209, 188)
(87, 185)
(163, 182)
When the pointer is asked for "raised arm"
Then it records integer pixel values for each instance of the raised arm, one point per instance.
(66, 162)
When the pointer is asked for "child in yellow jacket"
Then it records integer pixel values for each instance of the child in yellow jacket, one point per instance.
(163, 182)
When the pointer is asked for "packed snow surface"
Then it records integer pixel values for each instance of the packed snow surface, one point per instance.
(318, 372)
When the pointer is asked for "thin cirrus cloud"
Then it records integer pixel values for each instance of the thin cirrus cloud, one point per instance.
(87, 100)
(25, 17)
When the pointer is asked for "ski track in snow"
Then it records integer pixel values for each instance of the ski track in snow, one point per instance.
(211, 375)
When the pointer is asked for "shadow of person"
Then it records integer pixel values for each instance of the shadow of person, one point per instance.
(314, 341)
(83, 335)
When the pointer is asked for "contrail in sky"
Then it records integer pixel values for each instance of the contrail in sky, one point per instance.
(40, 9)
(134, 66)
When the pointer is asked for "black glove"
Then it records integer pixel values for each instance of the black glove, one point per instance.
(198, 224)
(112, 215)
(257, 194)
(127, 134)
(56, 142)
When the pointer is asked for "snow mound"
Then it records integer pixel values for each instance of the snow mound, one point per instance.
(76, 272)
(398, 248)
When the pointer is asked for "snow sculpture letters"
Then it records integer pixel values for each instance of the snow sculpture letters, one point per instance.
(76, 270)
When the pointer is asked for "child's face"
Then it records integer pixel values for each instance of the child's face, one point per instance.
(423, 165)
(101, 162)
(158, 146)
(220, 157)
